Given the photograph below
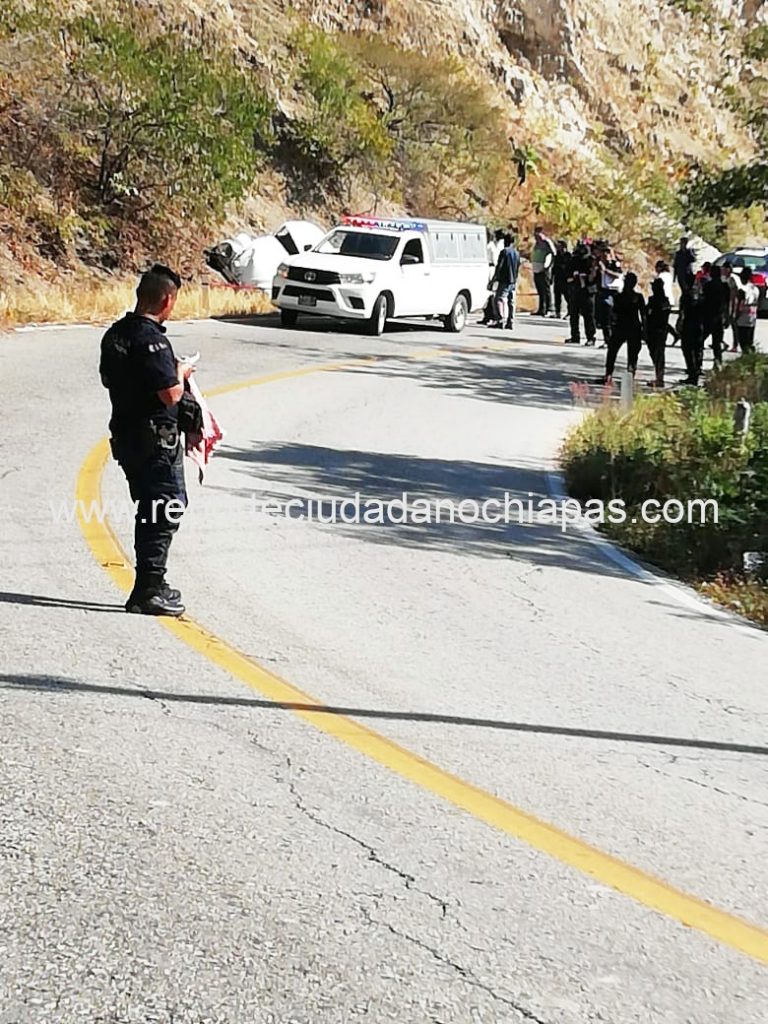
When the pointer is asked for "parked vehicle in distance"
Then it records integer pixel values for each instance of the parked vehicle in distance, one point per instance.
(374, 270)
(251, 260)
(756, 258)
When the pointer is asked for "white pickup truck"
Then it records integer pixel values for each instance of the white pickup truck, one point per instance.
(374, 270)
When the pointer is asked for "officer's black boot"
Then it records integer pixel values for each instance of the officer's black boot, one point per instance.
(151, 595)
(170, 592)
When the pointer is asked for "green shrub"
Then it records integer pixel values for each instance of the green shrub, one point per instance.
(695, 8)
(677, 447)
(418, 128)
(746, 377)
(713, 191)
(163, 118)
(756, 43)
(566, 212)
(341, 130)
(113, 111)
(745, 597)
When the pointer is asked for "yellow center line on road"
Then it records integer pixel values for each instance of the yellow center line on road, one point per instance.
(652, 892)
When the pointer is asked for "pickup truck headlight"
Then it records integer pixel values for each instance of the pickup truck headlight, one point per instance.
(365, 278)
(282, 270)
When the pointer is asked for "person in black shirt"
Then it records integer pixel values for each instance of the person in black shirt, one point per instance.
(682, 266)
(560, 270)
(582, 286)
(691, 328)
(146, 384)
(715, 311)
(659, 310)
(629, 326)
(507, 272)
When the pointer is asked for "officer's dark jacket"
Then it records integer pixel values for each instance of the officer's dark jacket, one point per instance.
(562, 265)
(716, 298)
(137, 361)
(508, 266)
(629, 309)
(579, 265)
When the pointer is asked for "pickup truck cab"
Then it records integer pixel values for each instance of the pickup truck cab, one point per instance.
(374, 270)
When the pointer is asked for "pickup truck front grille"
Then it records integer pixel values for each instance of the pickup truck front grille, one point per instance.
(315, 276)
(319, 293)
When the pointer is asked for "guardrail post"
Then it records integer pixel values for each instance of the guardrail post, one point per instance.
(742, 414)
(627, 390)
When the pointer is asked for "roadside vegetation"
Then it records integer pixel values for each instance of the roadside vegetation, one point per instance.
(130, 132)
(102, 301)
(738, 192)
(115, 139)
(683, 446)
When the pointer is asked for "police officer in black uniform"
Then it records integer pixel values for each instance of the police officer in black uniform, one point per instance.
(146, 385)
(582, 285)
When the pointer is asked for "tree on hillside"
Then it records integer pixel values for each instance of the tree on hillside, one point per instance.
(115, 116)
(449, 138)
(160, 117)
(711, 191)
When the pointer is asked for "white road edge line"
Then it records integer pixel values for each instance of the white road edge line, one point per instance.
(679, 592)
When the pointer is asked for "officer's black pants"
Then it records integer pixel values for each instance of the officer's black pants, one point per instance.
(745, 336)
(716, 330)
(543, 281)
(604, 313)
(657, 346)
(156, 483)
(634, 340)
(582, 305)
(693, 350)
(561, 292)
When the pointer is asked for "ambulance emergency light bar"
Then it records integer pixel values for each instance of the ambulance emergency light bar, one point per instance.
(390, 225)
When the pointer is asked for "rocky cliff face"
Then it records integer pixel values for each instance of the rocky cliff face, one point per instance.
(576, 73)
(589, 92)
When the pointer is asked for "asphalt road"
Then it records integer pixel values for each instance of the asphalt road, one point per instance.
(177, 848)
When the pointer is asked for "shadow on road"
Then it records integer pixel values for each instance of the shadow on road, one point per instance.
(519, 377)
(328, 325)
(43, 601)
(54, 686)
(292, 472)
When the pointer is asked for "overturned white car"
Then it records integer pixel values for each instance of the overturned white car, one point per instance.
(252, 260)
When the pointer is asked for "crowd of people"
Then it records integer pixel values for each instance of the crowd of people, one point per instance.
(591, 288)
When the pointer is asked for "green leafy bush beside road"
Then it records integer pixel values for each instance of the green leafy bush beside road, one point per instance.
(117, 129)
(683, 446)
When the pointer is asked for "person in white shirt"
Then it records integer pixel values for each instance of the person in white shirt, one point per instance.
(542, 258)
(747, 300)
(664, 274)
(731, 278)
(493, 249)
(610, 283)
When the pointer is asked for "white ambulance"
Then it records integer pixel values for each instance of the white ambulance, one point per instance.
(374, 270)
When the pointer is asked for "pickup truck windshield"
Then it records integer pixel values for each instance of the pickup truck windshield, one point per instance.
(364, 244)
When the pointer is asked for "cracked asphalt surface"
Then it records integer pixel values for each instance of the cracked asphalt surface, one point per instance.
(174, 849)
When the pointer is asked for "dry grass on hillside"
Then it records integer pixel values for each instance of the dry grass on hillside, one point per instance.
(79, 302)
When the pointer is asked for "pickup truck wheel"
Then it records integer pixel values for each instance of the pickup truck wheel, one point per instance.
(378, 317)
(288, 317)
(456, 320)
